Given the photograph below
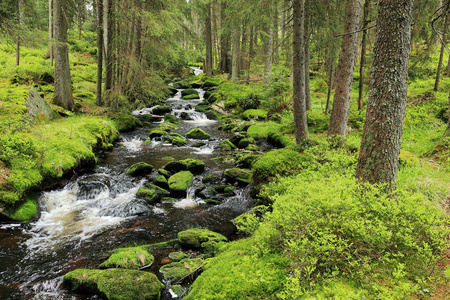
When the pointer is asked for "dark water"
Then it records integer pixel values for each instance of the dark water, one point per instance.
(98, 212)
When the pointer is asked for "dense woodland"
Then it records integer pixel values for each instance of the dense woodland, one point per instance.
(354, 94)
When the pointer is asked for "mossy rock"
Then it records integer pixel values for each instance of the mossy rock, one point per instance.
(156, 133)
(194, 165)
(238, 175)
(408, 158)
(244, 143)
(194, 238)
(179, 182)
(139, 169)
(252, 147)
(175, 166)
(164, 172)
(190, 97)
(212, 178)
(177, 256)
(159, 190)
(170, 244)
(202, 107)
(198, 134)
(117, 284)
(189, 92)
(128, 258)
(247, 160)
(127, 123)
(175, 271)
(26, 211)
(179, 142)
(161, 181)
(255, 114)
(211, 82)
(150, 196)
(248, 222)
(178, 290)
(169, 200)
(212, 201)
(276, 139)
(161, 110)
(236, 138)
(227, 145)
(171, 118)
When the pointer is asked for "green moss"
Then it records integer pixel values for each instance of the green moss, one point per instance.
(194, 165)
(139, 169)
(238, 175)
(248, 222)
(190, 97)
(187, 92)
(258, 114)
(179, 182)
(171, 118)
(175, 271)
(25, 211)
(151, 196)
(177, 256)
(406, 158)
(126, 123)
(227, 145)
(198, 134)
(128, 258)
(196, 237)
(117, 284)
(179, 142)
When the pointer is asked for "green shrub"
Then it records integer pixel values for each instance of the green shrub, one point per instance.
(317, 120)
(255, 114)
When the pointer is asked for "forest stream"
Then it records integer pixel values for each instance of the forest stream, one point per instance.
(99, 211)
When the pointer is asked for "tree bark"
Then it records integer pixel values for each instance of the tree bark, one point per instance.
(443, 43)
(50, 31)
(268, 51)
(341, 102)
(63, 86)
(236, 51)
(107, 43)
(20, 23)
(208, 42)
(383, 128)
(298, 49)
(362, 64)
(99, 16)
(276, 40)
(308, 13)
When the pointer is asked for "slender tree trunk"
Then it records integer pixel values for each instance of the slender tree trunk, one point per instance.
(236, 51)
(50, 31)
(99, 17)
(341, 103)
(298, 49)
(268, 50)
(443, 44)
(383, 128)
(330, 83)
(21, 23)
(362, 64)
(80, 13)
(308, 12)
(63, 86)
(208, 41)
(276, 40)
(107, 43)
(137, 32)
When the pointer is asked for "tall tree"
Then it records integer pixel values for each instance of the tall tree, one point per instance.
(208, 41)
(445, 14)
(50, 31)
(298, 49)
(107, 43)
(383, 128)
(341, 103)
(21, 24)
(63, 86)
(362, 64)
(99, 16)
(235, 56)
(308, 15)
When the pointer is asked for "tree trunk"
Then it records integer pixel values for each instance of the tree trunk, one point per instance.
(99, 16)
(362, 64)
(330, 83)
(383, 128)
(276, 54)
(298, 49)
(138, 32)
(236, 51)
(341, 102)
(21, 24)
(443, 44)
(224, 43)
(80, 13)
(208, 42)
(63, 86)
(107, 43)
(308, 13)
(50, 31)
(268, 51)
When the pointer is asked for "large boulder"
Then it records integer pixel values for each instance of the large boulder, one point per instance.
(179, 183)
(188, 92)
(140, 169)
(149, 195)
(36, 105)
(128, 258)
(198, 134)
(161, 110)
(196, 237)
(238, 175)
(115, 283)
(194, 165)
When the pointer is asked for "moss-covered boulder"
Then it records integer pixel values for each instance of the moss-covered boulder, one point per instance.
(227, 145)
(189, 93)
(194, 238)
(161, 110)
(213, 177)
(179, 182)
(242, 176)
(117, 284)
(178, 291)
(244, 143)
(140, 169)
(177, 256)
(128, 258)
(149, 195)
(198, 134)
(175, 271)
(161, 181)
(164, 173)
(194, 165)
(256, 114)
(190, 97)
(175, 166)
(179, 142)
(246, 160)
(161, 192)
(171, 118)
(248, 222)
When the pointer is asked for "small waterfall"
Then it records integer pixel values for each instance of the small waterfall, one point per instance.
(190, 200)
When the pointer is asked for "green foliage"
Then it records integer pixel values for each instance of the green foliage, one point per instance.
(318, 121)
(128, 258)
(351, 231)
(175, 271)
(258, 114)
(25, 211)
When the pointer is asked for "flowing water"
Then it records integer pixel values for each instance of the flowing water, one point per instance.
(81, 222)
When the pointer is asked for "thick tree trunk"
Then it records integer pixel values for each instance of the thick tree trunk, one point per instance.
(107, 43)
(308, 13)
(208, 42)
(383, 128)
(362, 64)
(268, 52)
(99, 5)
(341, 102)
(63, 86)
(224, 43)
(236, 51)
(443, 44)
(298, 49)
